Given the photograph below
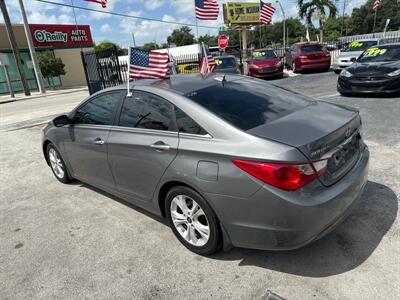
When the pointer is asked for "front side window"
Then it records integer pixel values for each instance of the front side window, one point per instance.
(144, 110)
(186, 124)
(98, 111)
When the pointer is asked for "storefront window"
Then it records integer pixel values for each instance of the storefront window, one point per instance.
(29, 74)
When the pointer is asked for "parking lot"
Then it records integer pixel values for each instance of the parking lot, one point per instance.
(73, 241)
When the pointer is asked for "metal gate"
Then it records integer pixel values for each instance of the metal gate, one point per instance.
(102, 69)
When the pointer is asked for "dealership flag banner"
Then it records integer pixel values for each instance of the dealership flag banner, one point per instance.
(147, 64)
(206, 9)
(266, 13)
(377, 4)
(207, 63)
(102, 2)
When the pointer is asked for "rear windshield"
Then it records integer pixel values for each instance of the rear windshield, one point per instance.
(380, 54)
(225, 62)
(359, 46)
(312, 48)
(248, 103)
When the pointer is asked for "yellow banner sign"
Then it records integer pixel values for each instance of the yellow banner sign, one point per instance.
(242, 13)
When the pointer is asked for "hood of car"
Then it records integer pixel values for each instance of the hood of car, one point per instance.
(373, 69)
(348, 55)
(272, 62)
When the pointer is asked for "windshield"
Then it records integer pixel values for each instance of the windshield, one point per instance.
(359, 46)
(264, 54)
(312, 48)
(382, 53)
(247, 104)
(225, 62)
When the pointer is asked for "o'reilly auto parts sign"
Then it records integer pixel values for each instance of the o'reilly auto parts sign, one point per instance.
(61, 36)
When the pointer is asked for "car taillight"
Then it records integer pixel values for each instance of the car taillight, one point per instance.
(288, 177)
(302, 56)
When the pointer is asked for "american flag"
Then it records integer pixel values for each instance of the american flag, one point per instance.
(207, 61)
(148, 64)
(102, 2)
(206, 9)
(266, 12)
(376, 5)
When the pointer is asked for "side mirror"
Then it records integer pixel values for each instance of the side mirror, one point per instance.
(353, 59)
(61, 121)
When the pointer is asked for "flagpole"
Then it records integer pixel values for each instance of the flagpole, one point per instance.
(205, 57)
(197, 29)
(373, 30)
(129, 94)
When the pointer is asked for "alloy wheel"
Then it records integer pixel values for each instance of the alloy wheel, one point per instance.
(190, 220)
(56, 163)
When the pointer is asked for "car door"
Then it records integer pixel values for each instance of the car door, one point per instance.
(143, 144)
(86, 140)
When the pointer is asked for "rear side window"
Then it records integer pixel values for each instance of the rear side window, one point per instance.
(98, 111)
(247, 104)
(186, 123)
(312, 48)
(144, 110)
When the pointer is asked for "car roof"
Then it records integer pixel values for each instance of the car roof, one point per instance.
(225, 56)
(180, 83)
(308, 43)
(395, 45)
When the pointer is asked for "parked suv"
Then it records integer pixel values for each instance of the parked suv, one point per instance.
(351, 52)
(308, 56)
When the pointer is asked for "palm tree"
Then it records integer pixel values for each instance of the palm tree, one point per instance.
(318, 9)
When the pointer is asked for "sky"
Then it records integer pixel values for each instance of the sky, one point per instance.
(119, 29)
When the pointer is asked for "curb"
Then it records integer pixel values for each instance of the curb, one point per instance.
(43, 96)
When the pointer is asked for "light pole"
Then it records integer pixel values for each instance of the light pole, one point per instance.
(284, 23)
(32, 49)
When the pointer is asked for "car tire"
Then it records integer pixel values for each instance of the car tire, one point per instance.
(193, 221)
(57, 164)
(337, 71)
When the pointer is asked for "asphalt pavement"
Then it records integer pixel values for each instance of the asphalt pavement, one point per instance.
(75, 242)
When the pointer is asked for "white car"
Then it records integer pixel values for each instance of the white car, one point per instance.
(352, 51)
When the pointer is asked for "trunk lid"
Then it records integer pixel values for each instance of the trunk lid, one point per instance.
(319, 131)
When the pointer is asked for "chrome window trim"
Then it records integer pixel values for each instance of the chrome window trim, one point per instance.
(143, 130)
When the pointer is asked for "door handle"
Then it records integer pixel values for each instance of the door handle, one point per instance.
(98, 141)
(160, 146)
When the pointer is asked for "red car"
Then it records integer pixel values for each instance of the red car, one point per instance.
(264, 63)
(308, 56)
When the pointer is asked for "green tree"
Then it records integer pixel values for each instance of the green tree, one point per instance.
(181, 37)
(150, 46)
(319, 9)
(209, 40)
(362, 18)
(50, 66)
(108, 44)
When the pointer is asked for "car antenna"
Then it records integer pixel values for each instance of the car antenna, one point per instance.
(221, 79)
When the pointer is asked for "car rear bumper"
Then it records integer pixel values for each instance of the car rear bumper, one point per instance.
(387, 86)
(288, 220)
(313, 64)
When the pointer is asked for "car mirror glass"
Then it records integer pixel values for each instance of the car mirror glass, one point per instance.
(61, 121)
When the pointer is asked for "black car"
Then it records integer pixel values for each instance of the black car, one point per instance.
(376, 71)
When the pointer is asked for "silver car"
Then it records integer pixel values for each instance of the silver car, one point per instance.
(228, 160)
(351, 52)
